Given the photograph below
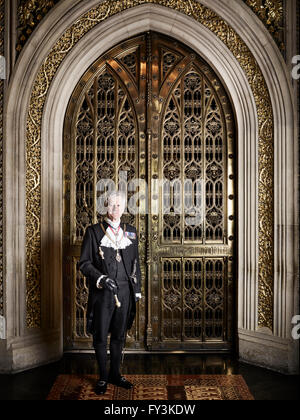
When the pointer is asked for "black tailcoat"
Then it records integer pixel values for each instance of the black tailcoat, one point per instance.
(93, 265)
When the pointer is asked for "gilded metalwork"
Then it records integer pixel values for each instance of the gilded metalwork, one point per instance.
(30, 14)
(194, 293)
(2, 8)
(239, 49)
(194, 140)
(79, 304)
(271, 13)
(104, 132)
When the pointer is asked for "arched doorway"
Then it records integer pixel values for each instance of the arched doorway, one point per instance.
(152, 115)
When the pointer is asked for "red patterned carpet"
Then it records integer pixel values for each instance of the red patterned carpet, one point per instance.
(154, 387)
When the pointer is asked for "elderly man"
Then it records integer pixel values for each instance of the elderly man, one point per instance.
(110, 261)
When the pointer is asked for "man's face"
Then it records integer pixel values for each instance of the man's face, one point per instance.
(115, 208)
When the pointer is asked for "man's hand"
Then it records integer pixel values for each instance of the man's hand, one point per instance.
(109, 284)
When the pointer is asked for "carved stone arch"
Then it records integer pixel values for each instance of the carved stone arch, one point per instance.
(97, 40)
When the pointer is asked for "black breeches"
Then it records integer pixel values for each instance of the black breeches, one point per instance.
(109, 318)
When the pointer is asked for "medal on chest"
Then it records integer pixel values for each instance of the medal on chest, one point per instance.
(118, 256)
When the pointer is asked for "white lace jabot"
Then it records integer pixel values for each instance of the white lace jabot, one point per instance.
(110, 243)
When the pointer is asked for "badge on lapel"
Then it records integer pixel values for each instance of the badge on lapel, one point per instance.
(130, 235)
(101, 253)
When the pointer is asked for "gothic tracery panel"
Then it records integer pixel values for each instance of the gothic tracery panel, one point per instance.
(196, 224)
(194, 162)
(194, 299)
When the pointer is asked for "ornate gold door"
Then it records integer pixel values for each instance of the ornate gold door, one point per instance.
(152, 117)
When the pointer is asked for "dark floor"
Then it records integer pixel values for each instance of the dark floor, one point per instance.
(263, 384)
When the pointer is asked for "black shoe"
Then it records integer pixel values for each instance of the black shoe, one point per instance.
(101, 387)
(121, 382)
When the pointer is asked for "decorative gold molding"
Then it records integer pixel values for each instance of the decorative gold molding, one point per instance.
(45, 75)
(271, 13)
(30, 14)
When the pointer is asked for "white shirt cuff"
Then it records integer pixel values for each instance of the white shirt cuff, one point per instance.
(98, 281)
(138, 295)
